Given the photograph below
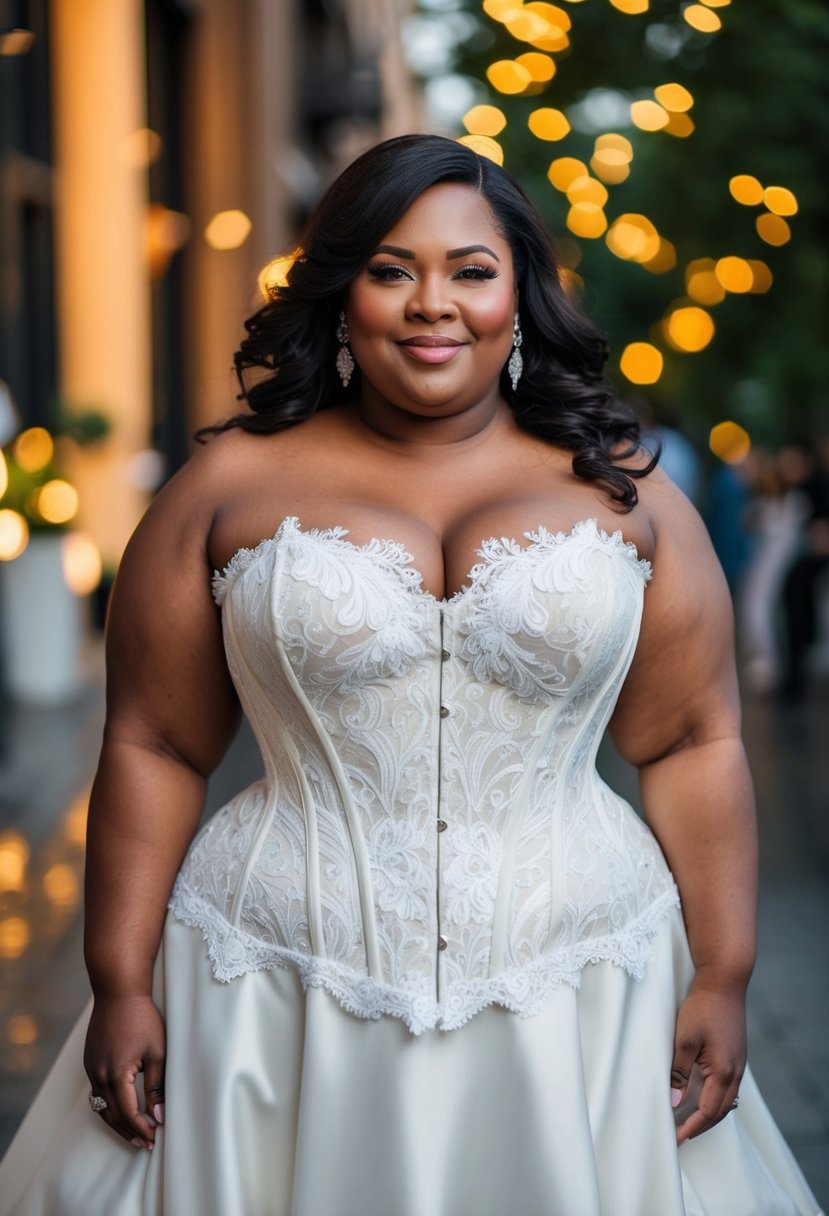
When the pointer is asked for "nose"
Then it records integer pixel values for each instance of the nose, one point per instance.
(431, 300)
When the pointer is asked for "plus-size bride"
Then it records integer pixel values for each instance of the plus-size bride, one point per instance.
(429, 964)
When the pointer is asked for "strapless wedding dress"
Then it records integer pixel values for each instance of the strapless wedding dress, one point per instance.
(429, 964)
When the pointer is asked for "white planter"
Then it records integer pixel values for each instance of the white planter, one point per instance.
(41, 625)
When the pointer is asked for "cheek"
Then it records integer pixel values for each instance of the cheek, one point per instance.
(492, 312)
(370, 311)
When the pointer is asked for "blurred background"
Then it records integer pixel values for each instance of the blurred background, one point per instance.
(157, 158)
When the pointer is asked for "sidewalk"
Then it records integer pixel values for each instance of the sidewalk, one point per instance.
(47, 759)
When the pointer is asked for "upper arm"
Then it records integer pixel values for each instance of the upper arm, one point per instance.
(682, 685)
(168, 686)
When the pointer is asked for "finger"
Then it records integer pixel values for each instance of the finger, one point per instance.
(128, 1110)
(102, 1088)
(685, 1055)
(154, 1087)
(716, 1100)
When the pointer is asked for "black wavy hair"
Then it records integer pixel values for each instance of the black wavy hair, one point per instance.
(562, 395)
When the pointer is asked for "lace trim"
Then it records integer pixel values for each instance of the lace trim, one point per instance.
(233, 952)
(392, 554)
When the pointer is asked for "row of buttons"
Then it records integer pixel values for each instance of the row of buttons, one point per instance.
(441, 823)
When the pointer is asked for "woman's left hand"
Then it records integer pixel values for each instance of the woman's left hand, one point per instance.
(711, 1033)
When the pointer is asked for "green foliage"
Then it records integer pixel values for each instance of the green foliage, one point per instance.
(762, 108)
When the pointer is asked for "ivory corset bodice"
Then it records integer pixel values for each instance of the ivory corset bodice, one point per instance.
(430, 834)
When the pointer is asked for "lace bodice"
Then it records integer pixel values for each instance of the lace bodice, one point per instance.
(430, 834)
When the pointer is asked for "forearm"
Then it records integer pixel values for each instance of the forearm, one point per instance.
(144, 809)
(700, 804)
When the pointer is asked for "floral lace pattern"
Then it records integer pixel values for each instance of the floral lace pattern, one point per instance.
(430, 835)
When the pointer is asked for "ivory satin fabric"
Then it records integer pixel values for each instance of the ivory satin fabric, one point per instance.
(280, 1103)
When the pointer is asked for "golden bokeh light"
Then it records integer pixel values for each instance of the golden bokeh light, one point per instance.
(15, 936)
(780, 200)
(608, 172)
(716, 3)
(772, 229)
(14, 534)
(587, 220)
(631, 7)
(275, 274)
(4, 473)
(500, 10)
(165, 232)
(700, 18)
(701, 282)
(648, 115)
(21, 1030)
(60, 882)
(761, 276)
(689, 329)
(730, 442)
(74, 821)
(82, 564)
(572, 283)
(611, 158)
(14, 857)
(548, 124)
(228, 230)
(734, 274)
(540, 67)
(33, 449)
(746, 189)
(633, 238)
(484, 120)
(564, 170)
(57, 501)
(484, 145)
(587, 190)
(525, 25)
(507, 76)
(141, 148)
(663, 260)
(674, 97)
(679, 125)
(556, 22)
(641, 363)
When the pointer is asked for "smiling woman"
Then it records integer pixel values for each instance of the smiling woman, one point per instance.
(429, 962)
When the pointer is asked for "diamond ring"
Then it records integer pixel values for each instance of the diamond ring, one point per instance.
(97, 1104)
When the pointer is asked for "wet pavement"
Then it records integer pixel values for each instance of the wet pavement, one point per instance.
(47, 759)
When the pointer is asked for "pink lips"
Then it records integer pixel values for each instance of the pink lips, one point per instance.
(432, 348)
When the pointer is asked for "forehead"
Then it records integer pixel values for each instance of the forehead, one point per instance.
(449, 215)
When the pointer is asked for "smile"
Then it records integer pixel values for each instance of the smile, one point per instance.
(432, 348)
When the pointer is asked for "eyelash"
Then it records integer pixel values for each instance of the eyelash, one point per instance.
(386, 272)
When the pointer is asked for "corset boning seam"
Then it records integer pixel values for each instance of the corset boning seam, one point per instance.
(270, 785)
(358, 843)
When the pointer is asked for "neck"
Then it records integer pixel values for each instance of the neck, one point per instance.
(395, 426)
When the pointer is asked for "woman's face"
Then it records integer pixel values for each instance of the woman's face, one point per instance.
(430, 315)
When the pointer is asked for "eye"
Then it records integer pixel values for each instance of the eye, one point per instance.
(388, 272)
(474, 271)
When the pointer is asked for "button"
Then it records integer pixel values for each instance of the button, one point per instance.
(444, 712)
(444, 655)
(442, 943)
(442, 825)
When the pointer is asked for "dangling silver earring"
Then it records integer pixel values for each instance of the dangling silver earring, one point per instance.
(345, 359)
(516, 364)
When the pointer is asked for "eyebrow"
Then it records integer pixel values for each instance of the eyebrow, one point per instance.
(451, 254)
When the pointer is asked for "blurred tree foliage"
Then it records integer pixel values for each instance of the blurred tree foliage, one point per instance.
(761, 107)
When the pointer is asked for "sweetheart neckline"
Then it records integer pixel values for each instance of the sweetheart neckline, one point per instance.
(395, 556)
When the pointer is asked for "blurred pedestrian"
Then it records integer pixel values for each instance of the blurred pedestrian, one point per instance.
(805, 470)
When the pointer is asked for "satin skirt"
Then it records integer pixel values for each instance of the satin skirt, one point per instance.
(280, 1103)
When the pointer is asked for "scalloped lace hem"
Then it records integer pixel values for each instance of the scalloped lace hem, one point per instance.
(233, 953)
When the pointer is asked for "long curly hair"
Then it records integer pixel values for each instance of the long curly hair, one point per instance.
(286, 364)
